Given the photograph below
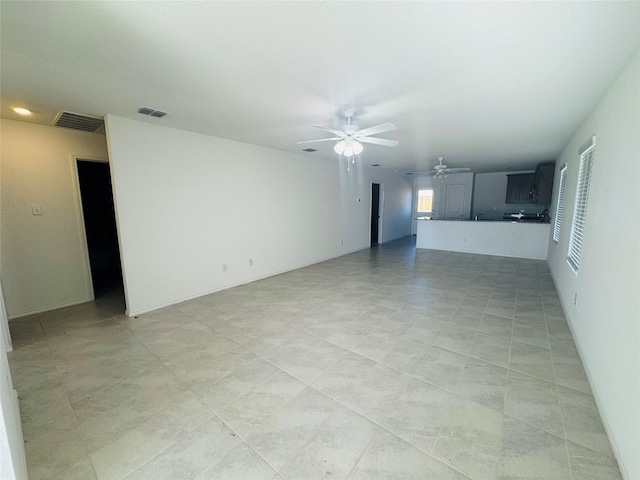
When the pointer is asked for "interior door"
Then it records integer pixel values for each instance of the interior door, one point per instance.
(454, 202)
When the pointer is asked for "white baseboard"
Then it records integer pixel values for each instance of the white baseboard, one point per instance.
(232, 285)
(49, 308)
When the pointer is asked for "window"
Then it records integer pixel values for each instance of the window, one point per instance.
(559, 206)
(425, 200)
(580, 212)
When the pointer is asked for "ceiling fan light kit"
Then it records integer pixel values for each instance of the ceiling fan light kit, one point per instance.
(348, 148)
(350, 138)
(440, 175)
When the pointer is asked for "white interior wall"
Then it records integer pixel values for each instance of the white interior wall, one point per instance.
(12, 456)
(605, 320)
(489, 193)
(44, 263)
(188, 203)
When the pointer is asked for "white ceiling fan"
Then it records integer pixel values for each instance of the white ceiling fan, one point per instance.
(440, 171)
(350, 139)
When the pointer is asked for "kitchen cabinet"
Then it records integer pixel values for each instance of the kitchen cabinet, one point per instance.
(520, 188)
(531, 187)
(543, 183)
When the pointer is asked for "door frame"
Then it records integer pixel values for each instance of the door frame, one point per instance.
(380, 209)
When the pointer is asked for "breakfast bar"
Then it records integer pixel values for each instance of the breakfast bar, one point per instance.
(503, 238)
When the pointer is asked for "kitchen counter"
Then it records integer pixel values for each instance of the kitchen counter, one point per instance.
(497, 220)
(505, 238)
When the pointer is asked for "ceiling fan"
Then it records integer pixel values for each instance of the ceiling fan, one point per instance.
(350, 138)
(440, 171)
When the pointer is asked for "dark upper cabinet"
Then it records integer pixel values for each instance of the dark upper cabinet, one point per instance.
(520, 188)
(543, 184)
(531, 187)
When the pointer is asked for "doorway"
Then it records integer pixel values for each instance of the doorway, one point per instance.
(94, 179)
(376, 213)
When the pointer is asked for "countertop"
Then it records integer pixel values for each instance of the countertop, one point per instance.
(528, 222)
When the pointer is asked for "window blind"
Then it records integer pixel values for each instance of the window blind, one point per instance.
(580, 212)
(560, 205)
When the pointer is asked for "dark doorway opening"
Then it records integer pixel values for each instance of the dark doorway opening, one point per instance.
(100, 226)
(375, 212)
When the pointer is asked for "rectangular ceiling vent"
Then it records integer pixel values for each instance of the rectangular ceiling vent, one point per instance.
(151, 112)
(78, 121)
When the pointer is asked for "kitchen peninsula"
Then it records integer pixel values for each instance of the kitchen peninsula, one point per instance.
(503, 238)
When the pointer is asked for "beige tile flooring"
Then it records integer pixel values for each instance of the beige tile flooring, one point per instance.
(388, 363)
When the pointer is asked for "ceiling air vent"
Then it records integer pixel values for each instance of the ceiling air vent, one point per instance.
(309, 150)
(78, 121)
(151, 112)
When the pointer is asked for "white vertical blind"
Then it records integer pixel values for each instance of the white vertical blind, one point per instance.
(560, 205)
(580, 212)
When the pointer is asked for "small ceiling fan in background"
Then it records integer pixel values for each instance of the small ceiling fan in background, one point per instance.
(440, 171)
(350, 139)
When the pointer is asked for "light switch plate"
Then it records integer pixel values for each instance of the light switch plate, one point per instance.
(36, 209)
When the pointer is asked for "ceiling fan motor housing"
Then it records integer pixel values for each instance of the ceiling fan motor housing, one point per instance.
(350, 129)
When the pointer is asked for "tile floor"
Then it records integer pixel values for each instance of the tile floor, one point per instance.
(388, 363)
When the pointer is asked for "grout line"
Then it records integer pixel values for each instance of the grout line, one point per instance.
(73, 412)
(397, 284)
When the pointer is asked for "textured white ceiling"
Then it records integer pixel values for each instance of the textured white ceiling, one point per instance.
(485, 84)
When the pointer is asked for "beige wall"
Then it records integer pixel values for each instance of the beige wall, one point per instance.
(44, 264)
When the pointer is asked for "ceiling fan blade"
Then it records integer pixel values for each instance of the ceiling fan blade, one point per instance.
(331, 130)
(321, 140)
(457, 170)
(378, 141)
(383, 127)
(423, 172)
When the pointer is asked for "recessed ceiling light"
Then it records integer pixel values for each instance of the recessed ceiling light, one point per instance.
(21, 111)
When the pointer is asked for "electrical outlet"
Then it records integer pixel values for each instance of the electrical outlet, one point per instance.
(250, 261)
(224, 267)
(341, 242)
(575, 299)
